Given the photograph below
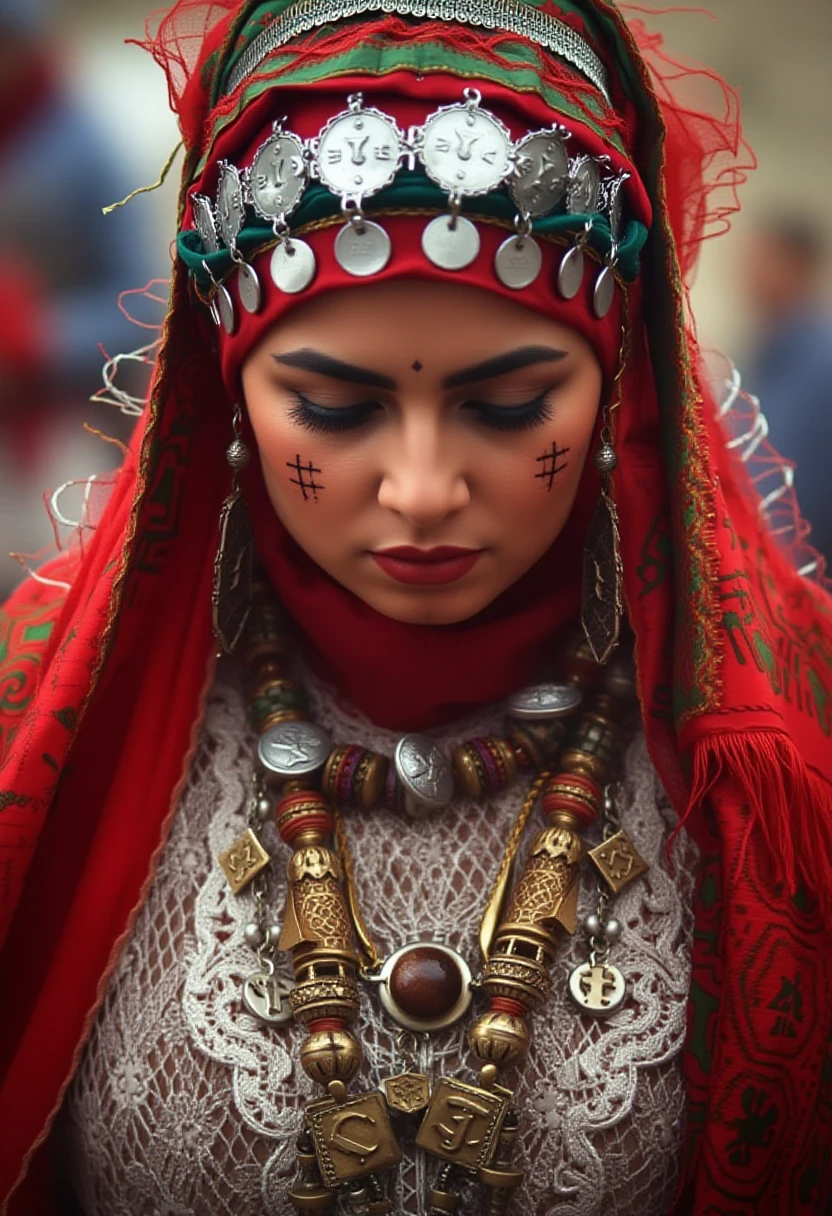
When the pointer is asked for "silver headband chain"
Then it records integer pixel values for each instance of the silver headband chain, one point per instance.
(505, 15)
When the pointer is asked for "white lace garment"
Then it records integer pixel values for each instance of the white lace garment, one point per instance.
(184, 1105)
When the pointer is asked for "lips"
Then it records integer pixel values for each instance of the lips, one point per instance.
(443, 564)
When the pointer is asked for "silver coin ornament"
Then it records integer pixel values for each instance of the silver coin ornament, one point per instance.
(248, 288)
(358, 151)
(266, 997)
(206, 223)
(230, 205)
(603, 293)
(597, 988)
(518, 261)
(615, 204)
(362, 248)
(424, 774)
(584, 189)
(571, 272)
(225, 308)
(542, 171)
(466, 150)
(292, 266)
(451, 243)
(544, 701)
(293, 749)
(277, 177)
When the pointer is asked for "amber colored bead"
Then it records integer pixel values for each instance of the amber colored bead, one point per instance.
(426, 983)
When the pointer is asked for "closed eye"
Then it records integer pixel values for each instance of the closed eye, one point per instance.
(328, 420)
(513, 417)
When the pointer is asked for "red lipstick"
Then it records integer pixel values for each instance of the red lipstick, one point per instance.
(443, 564)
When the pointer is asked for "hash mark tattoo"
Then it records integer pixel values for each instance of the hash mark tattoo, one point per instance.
(549, 467)
(305, 478)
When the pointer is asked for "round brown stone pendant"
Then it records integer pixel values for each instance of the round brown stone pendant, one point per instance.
(425, 986)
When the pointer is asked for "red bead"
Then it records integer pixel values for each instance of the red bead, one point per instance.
(425, 983)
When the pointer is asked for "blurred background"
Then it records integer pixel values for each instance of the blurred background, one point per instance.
(84, 120)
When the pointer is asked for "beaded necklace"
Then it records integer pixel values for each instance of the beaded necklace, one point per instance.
(349, 1140)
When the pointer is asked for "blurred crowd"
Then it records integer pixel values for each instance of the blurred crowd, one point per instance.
(63, 266)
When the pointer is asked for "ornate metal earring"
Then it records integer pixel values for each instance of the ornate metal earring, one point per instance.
(234, 563)
(602, 604)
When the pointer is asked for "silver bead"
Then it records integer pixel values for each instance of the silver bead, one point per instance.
(593, 924)
(612, 929)
(273, 936)
(253, 935)
(264, 808)
(605, 458)
(237, 455)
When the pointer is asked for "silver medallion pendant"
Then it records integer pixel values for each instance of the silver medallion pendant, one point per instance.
(540, 701)
(277, 177)
(248, 287)
(466, 150)
(358, 151)
(206, 223)
(603, 293)
(597, 988)
(230, 205)
(571, 272)
(425, 986)
(584, 188)
(542, 172)
(424, 774)
(451, 243)
(293, 749)
(292, 266)
(362, 248)
(225, 308)
(518, 261)
(266, 997)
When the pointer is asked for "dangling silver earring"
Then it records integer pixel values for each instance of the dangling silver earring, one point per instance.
(234, 563)
(602, 603)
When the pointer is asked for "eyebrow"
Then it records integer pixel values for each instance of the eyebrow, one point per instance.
(308, 360)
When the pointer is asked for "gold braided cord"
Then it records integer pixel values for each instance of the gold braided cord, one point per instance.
(166, 168)
(368, 947)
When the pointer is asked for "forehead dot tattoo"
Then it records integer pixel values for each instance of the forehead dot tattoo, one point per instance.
(549, 467)
(417, 366)
(305, 479)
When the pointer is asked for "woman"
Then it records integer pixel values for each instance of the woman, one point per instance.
(413, 274)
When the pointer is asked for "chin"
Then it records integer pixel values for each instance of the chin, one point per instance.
(449, 608)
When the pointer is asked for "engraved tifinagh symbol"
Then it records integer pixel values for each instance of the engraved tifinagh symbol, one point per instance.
(305, 478)
(293, 748)
(266, 997)
(347, 1140)
(597, 988)
(423, 771)
(242, 860)
(357, 144)
(455, 1136)
(618, 861)
(549, 465)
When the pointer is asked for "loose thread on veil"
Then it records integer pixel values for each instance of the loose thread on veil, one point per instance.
(166, 168)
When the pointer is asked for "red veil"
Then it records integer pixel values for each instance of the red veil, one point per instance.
(106, 659)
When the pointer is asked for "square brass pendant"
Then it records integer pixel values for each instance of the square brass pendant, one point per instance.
(618, 861)
(352, 1138)
(407, 1092)
(245, 858)
(463, 1122)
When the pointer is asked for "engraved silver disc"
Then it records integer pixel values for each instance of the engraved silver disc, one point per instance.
(450, 248)
(358, 153)
(292, 266)
(266, 997)
(584, 189)
(277, 176)
(294, 749)
(542, 172)
(248, 287)
(424, 773)
(603, 293)
(362, 252)
(426, 1024)
(466, 150)
(206, 223)
(518, 261)
(571, 273)
(544, 701)
(597, 989)
(225, 307)
(230, 206)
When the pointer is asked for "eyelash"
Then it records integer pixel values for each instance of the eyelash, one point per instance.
(323, 420)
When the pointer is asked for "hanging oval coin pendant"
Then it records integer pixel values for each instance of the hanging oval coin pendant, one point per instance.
(248, 288)
(362, 251)
(597, 989)
(266, 997)
(517, 263)
(603, 293)
(425, 986)
(225, 307)
(542, 701)
(292, 266)
(571, 273)
(450, 248)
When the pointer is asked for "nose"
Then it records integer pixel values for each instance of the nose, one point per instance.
(424, 479)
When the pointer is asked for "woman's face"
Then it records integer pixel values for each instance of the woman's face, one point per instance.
(422, 442)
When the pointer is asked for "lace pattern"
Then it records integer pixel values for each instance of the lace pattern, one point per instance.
(184, 1105)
